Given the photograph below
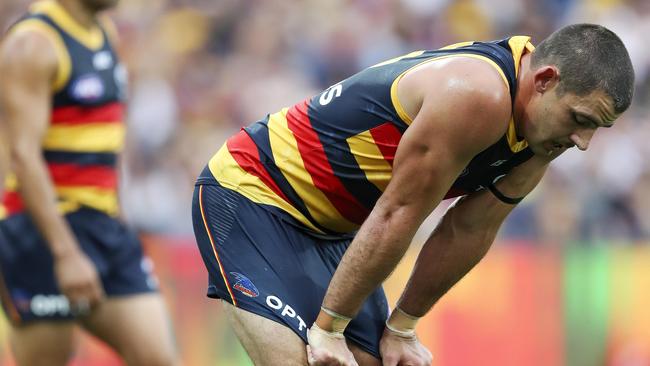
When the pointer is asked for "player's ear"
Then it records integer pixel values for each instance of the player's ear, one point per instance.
(546, 78)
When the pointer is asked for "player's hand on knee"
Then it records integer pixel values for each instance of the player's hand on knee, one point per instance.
(78, 280)
(327, 348)
(403, 349)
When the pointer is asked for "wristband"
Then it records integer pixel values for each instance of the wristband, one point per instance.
(339, 322)
(334, 334)
(403, 324)
(409, 334)
(502, 197)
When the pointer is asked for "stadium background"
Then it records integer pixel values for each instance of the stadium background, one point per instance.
(566, 283)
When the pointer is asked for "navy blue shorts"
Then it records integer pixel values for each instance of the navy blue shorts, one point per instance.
(28, 287)
(261, 261)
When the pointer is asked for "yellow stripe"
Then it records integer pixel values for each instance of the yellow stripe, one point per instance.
(230, 175)
(91, 137)
(11, 182)
(519, 45)
(91, 38)
(370, 159)
(214, 248)
(515, 146)
(290, 162)
(393, 89)
(64, 64)
(101, 199)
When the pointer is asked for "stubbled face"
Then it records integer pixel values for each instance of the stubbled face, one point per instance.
(553, 124)
(98, 5)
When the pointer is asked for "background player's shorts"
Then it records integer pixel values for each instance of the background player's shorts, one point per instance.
(260, 261)
(28, 286)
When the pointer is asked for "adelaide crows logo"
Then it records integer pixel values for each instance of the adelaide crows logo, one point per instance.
(244, 285)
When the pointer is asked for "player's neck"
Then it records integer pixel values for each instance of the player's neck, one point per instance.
(80, 13)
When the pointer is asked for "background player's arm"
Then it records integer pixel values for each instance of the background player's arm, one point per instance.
(28, 66)
(465, 114)
(4, 154)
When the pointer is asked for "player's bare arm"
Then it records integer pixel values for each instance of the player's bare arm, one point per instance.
(458, 243)
(468, 112)
(462, 238)
(28, 65)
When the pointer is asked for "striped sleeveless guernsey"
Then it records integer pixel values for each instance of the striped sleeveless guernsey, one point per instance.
(86, 130)
(325, 161)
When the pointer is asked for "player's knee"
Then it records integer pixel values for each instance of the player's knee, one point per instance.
(151, 357)
(39, 344)
(27, 354)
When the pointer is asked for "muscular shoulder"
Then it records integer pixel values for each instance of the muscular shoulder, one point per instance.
(464, 98)
(475, 84)
(27, 54)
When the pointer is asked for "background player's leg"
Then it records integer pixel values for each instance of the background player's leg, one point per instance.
(137, 327)
(43, 343)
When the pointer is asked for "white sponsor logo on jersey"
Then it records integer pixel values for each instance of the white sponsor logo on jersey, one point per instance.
(88, 87)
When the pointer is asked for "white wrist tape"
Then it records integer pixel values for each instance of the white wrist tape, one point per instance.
(409, 334)
(402, 323)
(339, 322)
(335, 335)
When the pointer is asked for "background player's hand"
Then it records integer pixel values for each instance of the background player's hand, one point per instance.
(326, 349)
(398, 350)
(78, 281)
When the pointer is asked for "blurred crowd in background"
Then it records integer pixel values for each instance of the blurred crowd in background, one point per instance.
(202, 69)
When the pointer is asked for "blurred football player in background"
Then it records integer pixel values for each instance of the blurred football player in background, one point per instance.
(66, 258)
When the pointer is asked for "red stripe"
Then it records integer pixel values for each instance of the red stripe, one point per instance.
(317, 165)
(244, 151)
(111, 113)
(12, 202)
(65, 175)
(386, 137)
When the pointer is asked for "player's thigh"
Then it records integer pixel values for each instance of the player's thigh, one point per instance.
(270, 343)
(137, 327)
(267, 342)
(43, 343)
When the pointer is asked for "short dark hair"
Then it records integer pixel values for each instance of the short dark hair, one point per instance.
(589, 57)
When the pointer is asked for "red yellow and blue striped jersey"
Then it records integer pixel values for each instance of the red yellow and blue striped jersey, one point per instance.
(326, 160)
(86, 130)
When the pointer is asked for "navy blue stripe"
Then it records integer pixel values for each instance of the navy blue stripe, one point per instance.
(80, 158)
(259, 132)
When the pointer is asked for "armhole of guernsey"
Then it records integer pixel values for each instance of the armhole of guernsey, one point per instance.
(519, 46)
(64, 63)
(393, 88)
